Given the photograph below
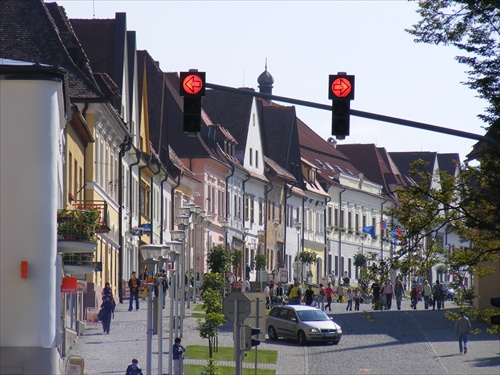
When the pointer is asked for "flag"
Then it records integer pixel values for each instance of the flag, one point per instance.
(370, 231)
(383, 225)
(397, 236)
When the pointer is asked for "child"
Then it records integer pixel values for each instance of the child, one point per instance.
(350, 296)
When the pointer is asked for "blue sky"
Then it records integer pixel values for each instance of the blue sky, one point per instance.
(303, 43)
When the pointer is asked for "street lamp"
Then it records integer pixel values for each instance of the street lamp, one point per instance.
(179, 236)
(173, 255)
(151, 255)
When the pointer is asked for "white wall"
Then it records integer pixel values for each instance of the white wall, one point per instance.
(31, 119)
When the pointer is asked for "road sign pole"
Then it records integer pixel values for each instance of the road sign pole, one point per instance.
(237, 337)
(257, 315)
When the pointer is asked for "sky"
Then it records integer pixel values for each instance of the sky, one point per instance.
(303, 43)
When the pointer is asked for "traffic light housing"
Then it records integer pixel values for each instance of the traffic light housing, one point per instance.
(246, 337)
(192, 88)
(341, 92)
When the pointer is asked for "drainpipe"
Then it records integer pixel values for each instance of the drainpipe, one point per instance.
(124, 147)
(340, 270)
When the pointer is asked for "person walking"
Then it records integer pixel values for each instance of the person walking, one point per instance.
(462, 329)
(436, 295)
(267, 295)
(414, 295)
(309, 296)
(399, 291)
(134, 284)
(426, 292)
(178, 357)
(340, 293)
(349, 296)
(388, 292)
(279, 292)
(375, 289)
(357, 298)
(134, 369)
(295, 294)
(328, 294)
(107, 311)
(321, 297)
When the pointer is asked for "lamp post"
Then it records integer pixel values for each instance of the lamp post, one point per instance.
(298, 227)
(151, 255)
(173, 255)
(179, 236)
(243, 268)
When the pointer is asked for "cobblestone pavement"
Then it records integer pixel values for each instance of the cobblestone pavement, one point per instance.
(374, 342)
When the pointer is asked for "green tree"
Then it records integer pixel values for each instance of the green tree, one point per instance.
(219, 259)
(472, 26)
(260, 264)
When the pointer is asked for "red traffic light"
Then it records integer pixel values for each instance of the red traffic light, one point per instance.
(341, 87)
(192, 83)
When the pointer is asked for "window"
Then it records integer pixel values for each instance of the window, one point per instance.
(252, 210)
(251, 156)
(329, 217)
(341, 218)
(336, 217)
(256, 159)
(247, 208)
(144, 200)
(349, 220)
(356, 222)
(261, 212)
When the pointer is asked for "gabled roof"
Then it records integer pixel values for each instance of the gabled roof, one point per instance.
(449, 162)
(376, 164)
(327, 159)
(279, 171)
(29, 33)
(403, 160)
(230, 110)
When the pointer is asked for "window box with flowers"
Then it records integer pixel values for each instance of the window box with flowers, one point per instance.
(80, 224)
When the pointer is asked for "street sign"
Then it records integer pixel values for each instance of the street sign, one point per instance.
(228, 306)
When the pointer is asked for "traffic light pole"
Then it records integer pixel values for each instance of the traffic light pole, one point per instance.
(368, 115)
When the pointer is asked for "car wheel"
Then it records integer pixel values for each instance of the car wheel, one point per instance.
(302, 338)
(271, 331)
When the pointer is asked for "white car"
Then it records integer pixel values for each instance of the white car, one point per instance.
(303, 323)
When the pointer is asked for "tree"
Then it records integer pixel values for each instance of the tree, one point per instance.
(260, 264)
(473, 26)
(219, 259)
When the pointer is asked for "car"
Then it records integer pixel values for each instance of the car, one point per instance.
(450, 291)
(303, 323)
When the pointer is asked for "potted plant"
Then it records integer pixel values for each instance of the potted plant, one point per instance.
(80, 224)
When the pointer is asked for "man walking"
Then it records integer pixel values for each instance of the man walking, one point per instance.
(178, 357)
(462, 329)
(134, 285)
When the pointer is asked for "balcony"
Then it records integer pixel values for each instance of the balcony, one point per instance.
(77, 228)
(78, 263)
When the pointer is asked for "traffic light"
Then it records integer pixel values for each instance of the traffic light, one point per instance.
(192, 88)
(341, 92)
(495, 319)
(246, 337)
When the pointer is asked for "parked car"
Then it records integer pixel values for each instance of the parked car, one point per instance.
(450, 291)
(302, 323)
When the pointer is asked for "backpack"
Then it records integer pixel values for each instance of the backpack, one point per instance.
(133, 370)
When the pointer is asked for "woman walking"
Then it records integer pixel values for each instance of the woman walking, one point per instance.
(399, 292)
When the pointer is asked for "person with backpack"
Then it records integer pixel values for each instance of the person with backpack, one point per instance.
(134, 368)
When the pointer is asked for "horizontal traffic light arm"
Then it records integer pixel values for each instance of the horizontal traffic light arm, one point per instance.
(368, 115)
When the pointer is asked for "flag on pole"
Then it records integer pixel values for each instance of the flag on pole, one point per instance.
(370, 231)
(383, 225)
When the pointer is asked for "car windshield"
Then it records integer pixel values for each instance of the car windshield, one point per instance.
(312, 316)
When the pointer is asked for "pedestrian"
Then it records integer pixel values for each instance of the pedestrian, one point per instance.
(164, 284)
(134, 284)
(444, 292)
(462, 329)
(309, 296)
(267, 295)
(427, 293)
(107, 311)
(350, 296)
(108, 292)
(388, 292)
(357, 298)
(295, 294)
(328, 294)
(414, 295)
(399, 291)
(134, 368)
(178, 356)
(340, 292)
(346, 279)
(232, 280)
(279, 292)
(321, 297)
(375, 289)
(246, 286)
(436, 295)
